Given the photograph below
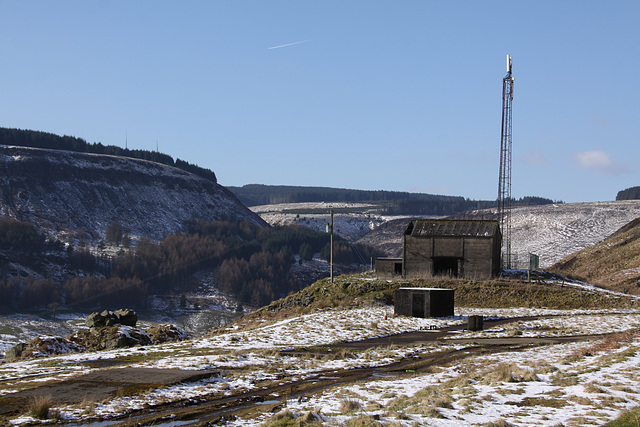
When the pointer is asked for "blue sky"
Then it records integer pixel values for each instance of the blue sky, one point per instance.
(375, 95)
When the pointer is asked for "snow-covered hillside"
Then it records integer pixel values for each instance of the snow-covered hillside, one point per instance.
(352, 220)
(74, 196)
(555, 231)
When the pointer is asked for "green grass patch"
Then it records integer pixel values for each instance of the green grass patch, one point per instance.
(9, 330)
(630, 418)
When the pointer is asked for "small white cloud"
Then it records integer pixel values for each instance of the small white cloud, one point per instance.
(599, 161)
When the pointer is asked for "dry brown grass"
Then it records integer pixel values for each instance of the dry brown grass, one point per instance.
(542, 401)
(40, 407)
(566, 381)
(281, 419)
(593, 388)
(612, 400)
(612, 263)
(623, 388)
(612, 342)
(508, 372)
(432, 413)
(581, 400)
(88, 404)
(349, 406)
(362, 421)
(497, 423)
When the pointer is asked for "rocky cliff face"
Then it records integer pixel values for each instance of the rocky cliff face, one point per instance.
(75, 196)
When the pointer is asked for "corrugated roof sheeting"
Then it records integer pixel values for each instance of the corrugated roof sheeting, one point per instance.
(452, 228)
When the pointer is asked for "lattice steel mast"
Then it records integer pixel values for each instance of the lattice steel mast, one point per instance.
(504, 181)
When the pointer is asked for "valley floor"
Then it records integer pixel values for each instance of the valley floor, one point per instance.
(582, 382)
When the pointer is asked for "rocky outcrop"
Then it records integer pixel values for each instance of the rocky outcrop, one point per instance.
(166, 333)
(107, 331)
(43, 346)
(111, 337)
(125, 317)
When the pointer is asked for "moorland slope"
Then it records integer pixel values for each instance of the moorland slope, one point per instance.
(613, 264)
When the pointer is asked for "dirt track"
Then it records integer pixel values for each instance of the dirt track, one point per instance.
(100, 385)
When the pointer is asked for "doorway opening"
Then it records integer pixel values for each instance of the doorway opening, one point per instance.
(417, 305)
(445, 266)
(397, 268)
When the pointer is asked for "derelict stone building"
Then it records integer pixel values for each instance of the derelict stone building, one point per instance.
(444, 247)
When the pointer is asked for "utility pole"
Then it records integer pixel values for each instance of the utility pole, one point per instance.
(331, 244)
(504, 180)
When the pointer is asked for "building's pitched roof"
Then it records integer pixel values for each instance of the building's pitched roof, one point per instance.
(452, 228)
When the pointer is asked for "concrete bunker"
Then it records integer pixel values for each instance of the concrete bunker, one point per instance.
(424, 302)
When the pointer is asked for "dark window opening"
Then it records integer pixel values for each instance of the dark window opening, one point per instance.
(445, 266)
(397, 268)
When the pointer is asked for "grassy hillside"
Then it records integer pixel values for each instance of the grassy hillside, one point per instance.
(362, 289)
(613, 264)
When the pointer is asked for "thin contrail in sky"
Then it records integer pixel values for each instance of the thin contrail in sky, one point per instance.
(289, 44)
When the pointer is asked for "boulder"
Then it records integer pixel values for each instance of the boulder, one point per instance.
(95, 320)
(127, 317)
(15, 352)
(124, 336)
(166, 333)
(110, 319)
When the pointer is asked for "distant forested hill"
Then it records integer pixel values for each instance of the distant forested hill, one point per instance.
(632, 193)
(390, 202)
(258, 194)
(37, 139)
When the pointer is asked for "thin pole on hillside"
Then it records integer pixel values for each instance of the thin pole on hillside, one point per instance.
(331, 251)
